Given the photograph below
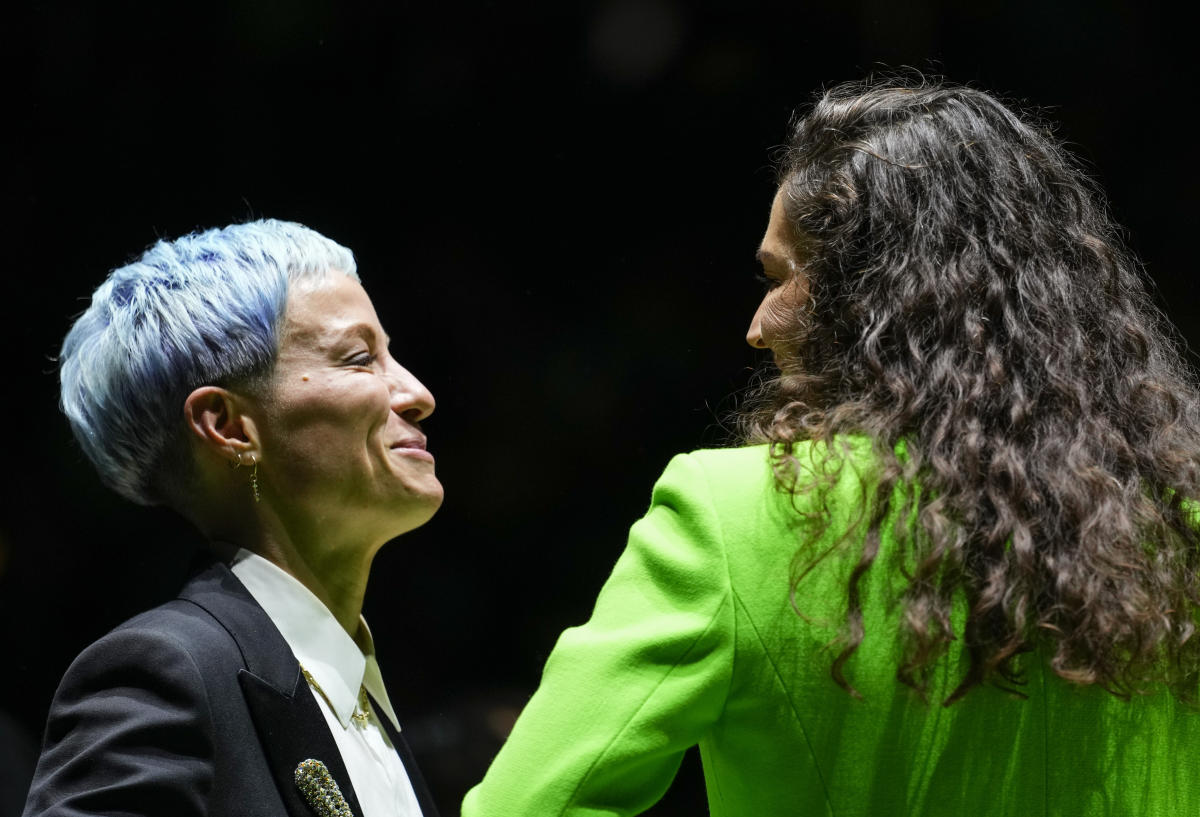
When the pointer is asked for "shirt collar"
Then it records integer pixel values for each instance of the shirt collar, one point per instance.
(319, 643)
(372, 679)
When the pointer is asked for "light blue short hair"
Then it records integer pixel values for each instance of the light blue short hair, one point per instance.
(201, 310)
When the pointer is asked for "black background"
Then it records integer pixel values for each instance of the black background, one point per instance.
(555, 208)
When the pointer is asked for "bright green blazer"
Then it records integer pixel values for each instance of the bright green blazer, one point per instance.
(693, 641)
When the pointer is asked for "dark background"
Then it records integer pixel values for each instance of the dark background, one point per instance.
(555, 208)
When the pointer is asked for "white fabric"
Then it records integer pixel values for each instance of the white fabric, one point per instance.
(338, 665)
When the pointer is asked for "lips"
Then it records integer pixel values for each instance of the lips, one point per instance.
(412, 447)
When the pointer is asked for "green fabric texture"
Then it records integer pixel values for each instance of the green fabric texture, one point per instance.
(693, 641)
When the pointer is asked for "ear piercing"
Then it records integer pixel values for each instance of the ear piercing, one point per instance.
(235, 464)
(254, 478)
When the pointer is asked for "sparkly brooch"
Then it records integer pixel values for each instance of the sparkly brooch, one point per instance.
(321, 790)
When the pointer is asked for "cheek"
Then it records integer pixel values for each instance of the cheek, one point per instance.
(783, 317)
(319, 425)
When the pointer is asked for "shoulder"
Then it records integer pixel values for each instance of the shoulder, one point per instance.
(745, 463)
(717, 473)
(185, 639)
(179, 626)
(733, 477)
(145, 714)
(757, 508)
(175, 646)
(199, 618)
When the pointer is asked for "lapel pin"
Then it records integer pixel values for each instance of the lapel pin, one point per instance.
(321, 790)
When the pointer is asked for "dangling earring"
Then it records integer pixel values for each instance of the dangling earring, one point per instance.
(254, 478)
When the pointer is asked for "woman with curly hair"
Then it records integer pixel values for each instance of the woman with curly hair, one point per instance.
(953, 567)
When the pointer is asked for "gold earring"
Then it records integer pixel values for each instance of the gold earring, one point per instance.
(254, 478)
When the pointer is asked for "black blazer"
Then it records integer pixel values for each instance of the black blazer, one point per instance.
(197, 707)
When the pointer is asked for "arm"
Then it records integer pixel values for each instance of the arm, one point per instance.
(129, 733)
(623, 696)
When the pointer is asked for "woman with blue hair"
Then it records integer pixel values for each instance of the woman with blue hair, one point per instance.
(241, 377)
(953, 568)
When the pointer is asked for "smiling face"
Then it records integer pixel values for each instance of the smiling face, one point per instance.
(340, 435)
(778, 322)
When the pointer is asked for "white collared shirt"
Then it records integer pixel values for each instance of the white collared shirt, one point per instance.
(337, 664)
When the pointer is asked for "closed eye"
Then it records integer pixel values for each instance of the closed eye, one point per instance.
(767, 281)
(361, 359)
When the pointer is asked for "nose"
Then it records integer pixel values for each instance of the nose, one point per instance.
(410, 399)
(754, 335)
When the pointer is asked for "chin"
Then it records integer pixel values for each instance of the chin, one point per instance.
(417, 510)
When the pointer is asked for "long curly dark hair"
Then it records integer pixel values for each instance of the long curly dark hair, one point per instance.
(972, 311)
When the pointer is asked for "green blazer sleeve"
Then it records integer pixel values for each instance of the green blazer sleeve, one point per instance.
(625, 694)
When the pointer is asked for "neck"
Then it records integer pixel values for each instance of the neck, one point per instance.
(338, 578)
(335, 571)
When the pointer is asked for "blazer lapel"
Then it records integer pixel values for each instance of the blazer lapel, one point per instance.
(424, 798)
(289, 723)
(292, 730)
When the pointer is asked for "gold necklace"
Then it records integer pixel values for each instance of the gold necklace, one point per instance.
(362, 707)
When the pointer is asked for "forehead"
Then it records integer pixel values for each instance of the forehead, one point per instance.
(779, 241)
(319, 314)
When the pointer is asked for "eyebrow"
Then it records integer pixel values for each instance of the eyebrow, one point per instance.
(362, 328)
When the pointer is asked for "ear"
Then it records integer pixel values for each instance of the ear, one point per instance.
(218, 419)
